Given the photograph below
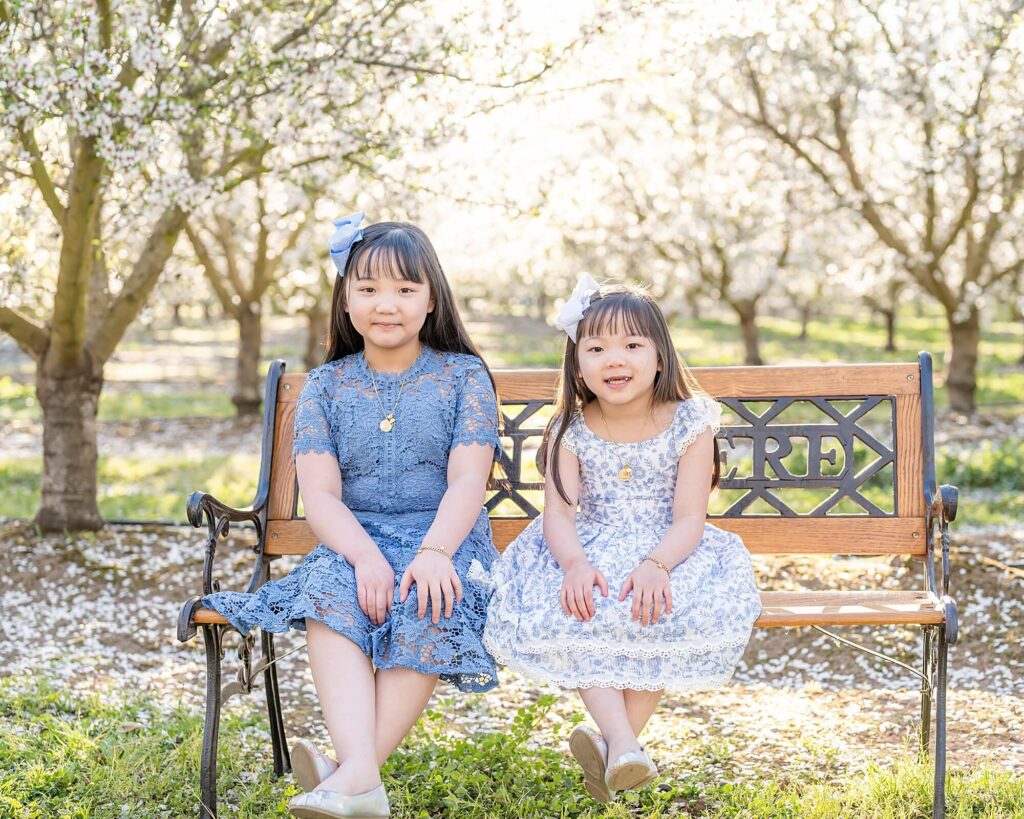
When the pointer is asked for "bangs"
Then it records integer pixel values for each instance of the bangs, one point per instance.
(394, 256)
(619, 314)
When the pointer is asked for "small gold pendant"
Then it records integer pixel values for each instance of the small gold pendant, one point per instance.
(387, 424)
(626, 473)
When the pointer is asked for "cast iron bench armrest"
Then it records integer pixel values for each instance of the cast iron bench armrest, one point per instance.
(218, 517)
(940, 514)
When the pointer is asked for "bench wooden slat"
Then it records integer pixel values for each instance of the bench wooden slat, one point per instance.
(810, 608)
(283, 491)
(821, 380)
(909, 456)
(850, 535)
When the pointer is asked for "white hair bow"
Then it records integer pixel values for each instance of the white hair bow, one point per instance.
(576, 305)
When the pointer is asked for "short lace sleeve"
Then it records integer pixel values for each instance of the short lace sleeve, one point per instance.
(312, 418)
(476, 413)
(570, 439)
(696, 415)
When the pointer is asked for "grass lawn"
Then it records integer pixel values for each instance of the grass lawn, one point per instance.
(119, 756)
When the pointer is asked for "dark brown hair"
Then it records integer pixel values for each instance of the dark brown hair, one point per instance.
(617, 309)
(401, 251)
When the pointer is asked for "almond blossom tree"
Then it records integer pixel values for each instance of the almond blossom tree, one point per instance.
(125, 117)
(908, 112)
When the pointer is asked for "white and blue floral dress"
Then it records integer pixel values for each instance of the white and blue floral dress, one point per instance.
(714, 598)
(393, 483)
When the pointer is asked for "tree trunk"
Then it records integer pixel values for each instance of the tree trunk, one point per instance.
(890, 329)
(247, 376)
(69, 401)
(805, 320)
(747, 312)
(316, 337)
(961, 382)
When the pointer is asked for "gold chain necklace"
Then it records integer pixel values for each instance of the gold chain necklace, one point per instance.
(388, 421)
(626, 469)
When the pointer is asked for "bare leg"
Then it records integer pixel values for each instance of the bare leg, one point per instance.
(608, 708)
(640, 705)
(344, 681)
(401, 696)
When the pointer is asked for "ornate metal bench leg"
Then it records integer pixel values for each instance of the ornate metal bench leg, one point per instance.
(928, 633)
(282, 763)
(939, 804)
(212, 636)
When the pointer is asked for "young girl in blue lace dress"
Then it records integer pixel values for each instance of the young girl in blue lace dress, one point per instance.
(395, 437)
(621, 589)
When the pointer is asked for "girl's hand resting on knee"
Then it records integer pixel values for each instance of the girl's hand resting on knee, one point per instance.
(577, 595)
(375, 584)
(652, 593)
(436, 581)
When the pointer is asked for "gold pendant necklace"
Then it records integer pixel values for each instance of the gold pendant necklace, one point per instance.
(626, 469)
(387, 423)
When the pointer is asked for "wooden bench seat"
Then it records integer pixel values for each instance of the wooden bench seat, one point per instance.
(807, 608)
(833, 459)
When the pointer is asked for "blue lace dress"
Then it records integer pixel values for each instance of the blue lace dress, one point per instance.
(715, 601)
(393, 483)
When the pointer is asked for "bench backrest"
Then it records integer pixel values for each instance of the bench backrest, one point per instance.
(831, 458)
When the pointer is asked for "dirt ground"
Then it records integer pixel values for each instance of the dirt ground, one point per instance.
(98, 613)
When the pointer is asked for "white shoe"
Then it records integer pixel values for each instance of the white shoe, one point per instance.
(310, 766)
(327, 804)
(633, 769)
(591, 752)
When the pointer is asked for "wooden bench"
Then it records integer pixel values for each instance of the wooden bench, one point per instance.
(819, 460)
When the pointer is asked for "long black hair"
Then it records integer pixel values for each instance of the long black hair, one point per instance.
(401, 251)
(617, 309)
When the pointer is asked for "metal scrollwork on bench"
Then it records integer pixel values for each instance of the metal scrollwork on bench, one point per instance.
(759, 437)
(844, 430)
(511, 487)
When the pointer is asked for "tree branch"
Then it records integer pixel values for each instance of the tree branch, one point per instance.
(213, 275)
(225, 238)
(29, 334)
(148, 267)
(868, 206)
(39, 173)
(69, 329)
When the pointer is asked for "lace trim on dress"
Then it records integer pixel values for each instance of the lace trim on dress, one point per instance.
(569, 439)
(611, 649)
(702, 414)
(314, 445)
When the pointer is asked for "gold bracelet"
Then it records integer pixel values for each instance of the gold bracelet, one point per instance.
(438, 549)
(659, 564)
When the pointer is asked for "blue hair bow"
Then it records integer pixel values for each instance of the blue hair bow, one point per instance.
(347, 232)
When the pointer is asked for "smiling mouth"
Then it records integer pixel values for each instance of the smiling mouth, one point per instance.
(618, 380)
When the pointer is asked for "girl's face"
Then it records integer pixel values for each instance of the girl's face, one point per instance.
(618, 367)
(388, 313)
